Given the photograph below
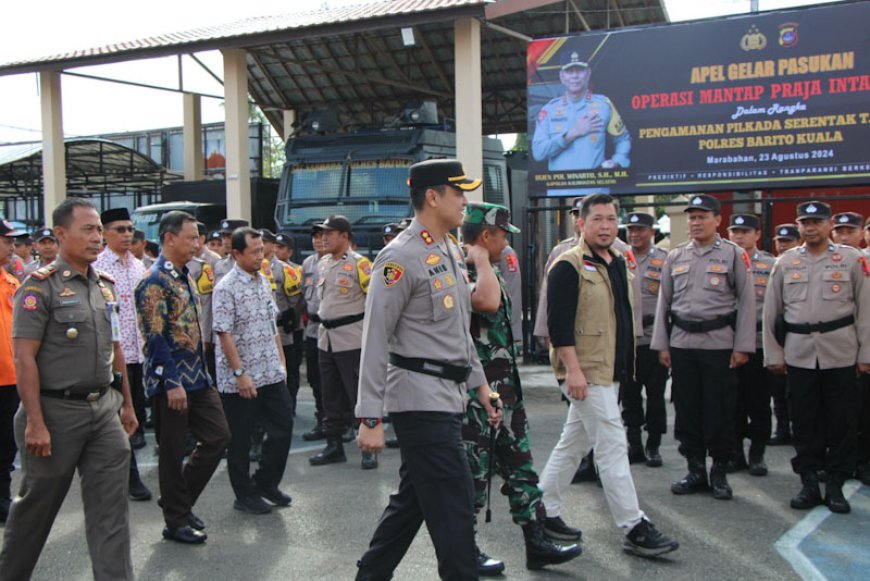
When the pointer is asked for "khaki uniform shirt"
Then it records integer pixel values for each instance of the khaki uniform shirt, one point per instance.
(509, 268)
(814, 289)
(649, 278)
(286, 283)
(203, 277)
(700, 284)
(71, 315)
(419, 305)
(309, 292)
(762, 265)
(341, 287)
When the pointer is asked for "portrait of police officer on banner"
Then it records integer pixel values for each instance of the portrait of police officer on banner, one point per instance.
(575, 130)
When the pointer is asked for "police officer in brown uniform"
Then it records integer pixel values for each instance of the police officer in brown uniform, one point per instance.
(342, 281)
(752, 417)
(66, 333)
(707, 297)
(649, 374)
(817, 297)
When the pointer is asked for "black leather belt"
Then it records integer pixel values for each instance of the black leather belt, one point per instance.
(827, 327)
(92, 395)
(704, 326)
(648, 320)
(342, 321)
(315, 318)
(457, 373)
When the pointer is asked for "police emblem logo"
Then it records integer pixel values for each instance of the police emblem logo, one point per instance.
(796, 276)
(783, 232)
(347, 268)
(344, 291)
(761, 280)
(448, 301)
(66, 292)
(653, 274)
(656, 262)
(715, 280)
(512, 264)
(837, 275)
(835, 288)
(812, 209)
(716, 268)
(652, 287)
(392, 273)
(788, 34)
(343, 281)
(697, 201)
(795, 262)
(449, 280)
(680, 269)
(633, 219)
(760, 265)
(225, 225)
(67, 273)
(739, 220)
(433, 259)
(844, 219)
(437, 284)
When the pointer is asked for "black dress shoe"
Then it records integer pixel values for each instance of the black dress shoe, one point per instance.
(736, 464)
(275, 496)
(252, 505)
(195, 522)
(834, 499)
(653, 458)
(138, 491)
(757, 467)
(185, 535)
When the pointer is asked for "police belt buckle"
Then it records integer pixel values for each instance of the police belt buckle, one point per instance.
(93, 396)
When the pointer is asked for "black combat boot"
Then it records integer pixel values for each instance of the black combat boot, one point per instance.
(694, 481)
(332, 454)
(487, 566)
(834, 499)
(635, 447)
(862, 473)
(719, 481)
(653, 457)
(757, 467)
(541, 551)
(737, 463)
(316, 433)
(810, 496)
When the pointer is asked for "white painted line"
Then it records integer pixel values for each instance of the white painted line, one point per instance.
(788, 544)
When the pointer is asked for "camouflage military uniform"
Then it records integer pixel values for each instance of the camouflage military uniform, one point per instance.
(494, 342)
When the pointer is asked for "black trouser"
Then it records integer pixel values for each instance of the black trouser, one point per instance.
(312, 371)
(293, 358)
(137, 393)
(339, 373)
(651, 375)
(704, 392)
(180, 483)
(864, 420)
(823, 417)
(271, 410)
(210, 361)
(435, 486)
(8, 449)
(779, 394)
(752, 413)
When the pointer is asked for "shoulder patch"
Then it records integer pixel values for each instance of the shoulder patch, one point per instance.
(630, 260)
(44, 272)
(865, 268)
(393, 272)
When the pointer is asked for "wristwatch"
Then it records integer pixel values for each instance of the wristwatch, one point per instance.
(370, 422)
(238, 372)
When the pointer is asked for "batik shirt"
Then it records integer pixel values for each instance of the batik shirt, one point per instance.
(244, 308)
(170, 321)
(127, 271)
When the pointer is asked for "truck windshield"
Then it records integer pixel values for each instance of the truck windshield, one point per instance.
(372, 192)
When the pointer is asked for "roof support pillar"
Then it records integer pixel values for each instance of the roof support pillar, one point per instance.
(193, 156)
(469, 108)
(289, 121)
(236, 132)
(53, 151)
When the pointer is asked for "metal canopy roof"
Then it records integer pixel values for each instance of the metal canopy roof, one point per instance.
(92, 165)
(352, 59)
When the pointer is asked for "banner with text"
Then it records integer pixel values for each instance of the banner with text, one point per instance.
(773, 100)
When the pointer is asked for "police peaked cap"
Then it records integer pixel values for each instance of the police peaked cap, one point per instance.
(441, 172)
(639, 219)
(743, 222)
(813, 209)
(848, 219)
(704, 202)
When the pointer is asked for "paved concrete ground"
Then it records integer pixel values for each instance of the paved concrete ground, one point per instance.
(335, 509)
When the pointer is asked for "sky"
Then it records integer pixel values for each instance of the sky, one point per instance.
(94, 107)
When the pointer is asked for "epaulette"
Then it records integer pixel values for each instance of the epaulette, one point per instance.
(106, 276)
(44, 272)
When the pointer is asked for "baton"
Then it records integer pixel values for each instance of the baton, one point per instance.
(494, 402)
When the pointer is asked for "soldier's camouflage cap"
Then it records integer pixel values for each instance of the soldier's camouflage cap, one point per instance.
(490, 215)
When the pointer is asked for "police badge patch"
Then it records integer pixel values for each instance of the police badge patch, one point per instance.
(393, 272)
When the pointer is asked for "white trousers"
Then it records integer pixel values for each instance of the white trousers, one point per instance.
(596, 423)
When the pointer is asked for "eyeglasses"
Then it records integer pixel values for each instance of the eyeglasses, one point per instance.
(123, 229)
